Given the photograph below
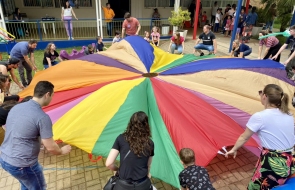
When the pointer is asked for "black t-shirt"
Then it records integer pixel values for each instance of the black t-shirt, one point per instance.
(52, 57)
(207, 38)
(195, 178)
(99, 47)
(133, 167)
(291, 40)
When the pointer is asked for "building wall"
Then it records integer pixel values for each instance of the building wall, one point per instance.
(137, 10)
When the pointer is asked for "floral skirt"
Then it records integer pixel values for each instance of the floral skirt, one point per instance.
(272, 169)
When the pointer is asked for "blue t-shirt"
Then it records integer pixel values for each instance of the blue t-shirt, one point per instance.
(26, 125)
(244, 47)
(99, 47)
(20, 50)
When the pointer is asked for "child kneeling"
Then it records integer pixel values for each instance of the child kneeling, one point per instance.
(193, 176)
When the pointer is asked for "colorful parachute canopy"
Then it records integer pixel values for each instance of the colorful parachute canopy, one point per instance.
(201, 104)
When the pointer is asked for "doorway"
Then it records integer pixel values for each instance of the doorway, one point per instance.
(120, 7)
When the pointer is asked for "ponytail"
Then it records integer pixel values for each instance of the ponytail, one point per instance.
(284, 103)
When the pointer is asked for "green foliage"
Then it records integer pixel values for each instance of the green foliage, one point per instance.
(282, 39)
(284, 11)
(262, 16)
(179, 17)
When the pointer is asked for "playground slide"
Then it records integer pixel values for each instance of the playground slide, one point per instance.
(6, 36)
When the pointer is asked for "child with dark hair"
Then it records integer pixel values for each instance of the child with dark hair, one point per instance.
(117, 37)
(89, 50)
(193, 176)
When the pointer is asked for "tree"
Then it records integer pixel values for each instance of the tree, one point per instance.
(284, 11)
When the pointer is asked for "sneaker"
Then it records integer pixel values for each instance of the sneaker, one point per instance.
(202, 54)
(69, 38)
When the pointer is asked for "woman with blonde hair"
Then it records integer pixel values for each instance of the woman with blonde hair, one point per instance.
(275, 129)
(136, 151)
(176, 43)
(240, 50)
(50, 56)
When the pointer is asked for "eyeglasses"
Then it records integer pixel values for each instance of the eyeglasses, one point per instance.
(260, 92)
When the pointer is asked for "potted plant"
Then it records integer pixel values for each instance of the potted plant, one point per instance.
(177, 20)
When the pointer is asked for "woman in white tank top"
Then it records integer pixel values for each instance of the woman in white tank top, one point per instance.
(66, 16)
(275, 129)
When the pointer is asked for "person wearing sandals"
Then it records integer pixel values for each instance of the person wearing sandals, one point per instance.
(275, 129)
(209, 42)
(136, 151)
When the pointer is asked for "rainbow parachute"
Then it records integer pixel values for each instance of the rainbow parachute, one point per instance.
(201, 104)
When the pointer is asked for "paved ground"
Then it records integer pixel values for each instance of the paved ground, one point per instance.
(69, 173)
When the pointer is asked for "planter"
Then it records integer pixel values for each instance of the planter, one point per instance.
(165, 30)
(256, 30)
(175, 28)
(183, 33)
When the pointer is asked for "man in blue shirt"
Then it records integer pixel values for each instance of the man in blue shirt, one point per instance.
(24, 51)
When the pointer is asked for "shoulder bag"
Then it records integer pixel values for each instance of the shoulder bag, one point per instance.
(113, 180)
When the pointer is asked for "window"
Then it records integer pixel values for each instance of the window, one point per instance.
(32, 3)
(57, 3)
(185, 3)
(8, 7)
(150, 3)
(84, 3)
(159, 3)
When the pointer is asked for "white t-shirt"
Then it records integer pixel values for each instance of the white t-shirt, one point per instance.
(67, 12)
(230, 12)
(115, 39)
(274, 128)
(217, 16)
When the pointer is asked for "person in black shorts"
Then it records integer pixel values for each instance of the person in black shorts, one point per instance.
(135, 161)
(193, 177)
(209, 42)
(291, 60)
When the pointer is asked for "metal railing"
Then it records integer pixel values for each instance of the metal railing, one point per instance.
(77, 29)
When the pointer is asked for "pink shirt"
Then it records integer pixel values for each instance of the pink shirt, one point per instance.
(181, 40)
(155, 36)
(131, 27)
(270, 42)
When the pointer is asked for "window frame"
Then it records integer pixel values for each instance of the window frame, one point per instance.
(56, 4)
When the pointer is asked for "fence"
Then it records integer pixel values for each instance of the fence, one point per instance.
(81, 29)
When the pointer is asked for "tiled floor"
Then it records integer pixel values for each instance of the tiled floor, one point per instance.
(76, 172)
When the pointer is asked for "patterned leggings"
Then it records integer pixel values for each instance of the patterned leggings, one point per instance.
(272, 169)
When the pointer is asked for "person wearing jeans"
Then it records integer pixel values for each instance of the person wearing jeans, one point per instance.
(23, 136)
(22, 51)
(66, 16)
(108, 16)
(209, 42)
(30, 177)
(240, 50)
(176, 43)
(50, 56)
